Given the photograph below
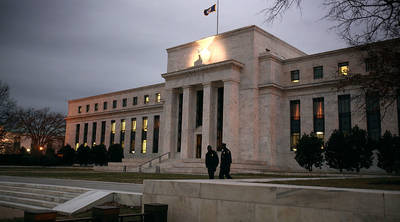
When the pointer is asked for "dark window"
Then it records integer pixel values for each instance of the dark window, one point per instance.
(370, 64)
(122, 133)
(134, 100)
(87, 108)
(344, 113)
(156, 133)
(144, 134)
(79, 109)
(96, 106)
(112, 132)
(124, 102)
(94, 130)
(398, 110)
(318, 72)
(373, 116)
(319, 118)
(343, 68)
(85, 132)
(133, 134)
(114, 104)
(220, 116)
(103, 132)
(77, 131)
(199, 108)
(294, 123)
(180, 105)
(146, 99)
(105, 106)
(295, 75)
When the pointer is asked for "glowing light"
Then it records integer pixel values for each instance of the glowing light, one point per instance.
(203, 53)
(320, 133)
(28, 150)
(41, 148)
(296, 80)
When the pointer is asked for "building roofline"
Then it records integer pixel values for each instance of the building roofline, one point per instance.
(117, 92)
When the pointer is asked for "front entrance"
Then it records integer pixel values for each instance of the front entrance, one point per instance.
(198, 146)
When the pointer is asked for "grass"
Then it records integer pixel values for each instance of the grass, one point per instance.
(382, 183)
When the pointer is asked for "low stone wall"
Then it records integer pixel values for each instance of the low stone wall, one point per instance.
(226, 200)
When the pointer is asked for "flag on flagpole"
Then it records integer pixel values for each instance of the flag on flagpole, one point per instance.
(209, 10)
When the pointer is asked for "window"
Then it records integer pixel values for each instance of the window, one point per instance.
(144, 135)
(134, 101)
(319, 119)
(370, 64)
(220, 116)
(146, 99)
(344, 113)
(199, 108)
(180, 108)
(77, 131)
(398, 110)
(318, 72)
(295, 75)
(133, 134)
(156, 133)
(158, 97)
(103, 132)
(96, 107)
(85, 132)
(124, 101)
(79, 109)
(114, 104)
(112, 133)
(343, 68)
(94, 129)
(87, 108)
(294, 123)
(122, 133)
(105, 106)
(373, 116)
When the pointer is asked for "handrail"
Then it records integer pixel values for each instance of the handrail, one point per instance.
(149, 161)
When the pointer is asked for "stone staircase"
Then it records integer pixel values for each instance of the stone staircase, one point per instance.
(35, 196)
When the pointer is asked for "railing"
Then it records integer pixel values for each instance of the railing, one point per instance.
(159, 158)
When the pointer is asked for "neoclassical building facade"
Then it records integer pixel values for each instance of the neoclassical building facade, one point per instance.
(245, 88)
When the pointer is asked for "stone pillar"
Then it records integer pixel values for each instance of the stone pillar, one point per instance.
(150, 132)
(81, 132)
(107, 134)
(208, 129)
(128, 128)
(138, 139)
(89, 136)
(187, 148)
(117, 131)
(231, 117)
(98, 132)
(168, 126)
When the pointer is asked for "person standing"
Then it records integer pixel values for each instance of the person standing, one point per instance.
(226, 160)
(211, 161)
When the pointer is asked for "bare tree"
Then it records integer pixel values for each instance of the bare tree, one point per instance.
(40, 125)
(7, 108)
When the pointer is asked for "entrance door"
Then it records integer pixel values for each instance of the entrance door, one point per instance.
(198, 146)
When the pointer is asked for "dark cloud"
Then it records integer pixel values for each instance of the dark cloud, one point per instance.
(55, 50)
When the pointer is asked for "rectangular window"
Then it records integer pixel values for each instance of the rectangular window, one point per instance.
(146, 99)
(318, 72)
(295, 75)
(319, 118)
(105, 106)
(156, 133)
(199, 108)
(79, 109)
(103, 132)
(112, 132)
(180, 106)
(85, 134)
(373, 116)
(344, 113)
(144, 135)
(158, 97)
(294, 123)
(96, 107)
(370, 64)
(124, 101)
(122, 133)
(220, 116)
(114, 104)
(87, 108)
(134, 101)
(133, 134)
(398, 110)
(77, 131)
(343, 68)
(94, 130)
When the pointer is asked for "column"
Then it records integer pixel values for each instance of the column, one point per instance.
(150, 132)
(231, 117)
(117, 131)
(128, 125)
(89, 136)
(169, 127)
(138, 136)
(208, 129)
(107, 134)
(188, 109)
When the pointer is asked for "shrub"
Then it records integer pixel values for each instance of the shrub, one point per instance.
(83, 155)
(309, 151)
(360, 149)
(99, 154)
(335, 151)
(68, 154)
(115, 153)
(389, 153)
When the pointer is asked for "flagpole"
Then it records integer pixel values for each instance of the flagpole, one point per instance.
(217, 14)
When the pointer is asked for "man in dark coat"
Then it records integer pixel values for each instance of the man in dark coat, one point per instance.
(226, 160)
(211, 161)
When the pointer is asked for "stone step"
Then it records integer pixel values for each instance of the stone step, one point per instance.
(41, 191)
(35, 196)
(28, 201)
(20, 206)
(73, 190)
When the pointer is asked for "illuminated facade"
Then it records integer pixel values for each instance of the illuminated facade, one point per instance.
(246, 88)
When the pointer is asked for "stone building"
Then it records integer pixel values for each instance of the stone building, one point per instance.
(246, 88)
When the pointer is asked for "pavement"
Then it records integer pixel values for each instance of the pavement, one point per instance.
(98, 185)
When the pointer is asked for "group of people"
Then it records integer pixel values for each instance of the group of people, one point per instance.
(212, 162)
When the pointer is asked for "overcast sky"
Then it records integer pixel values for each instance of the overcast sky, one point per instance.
(52, 51)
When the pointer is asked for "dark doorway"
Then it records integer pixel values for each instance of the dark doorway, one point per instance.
(198, 146)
